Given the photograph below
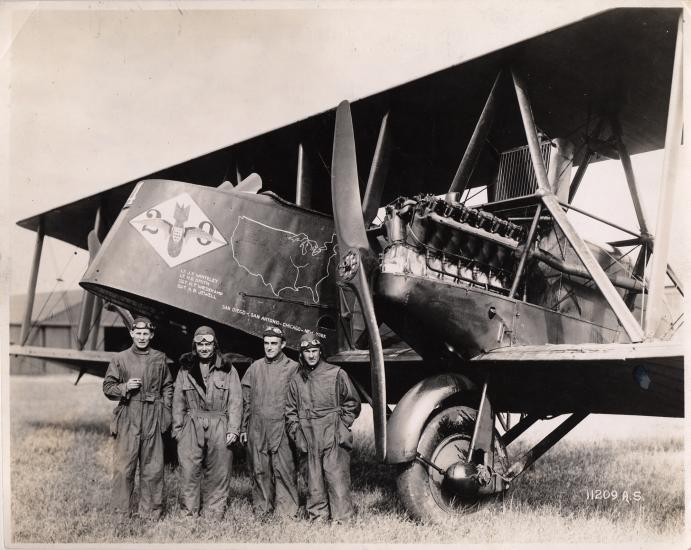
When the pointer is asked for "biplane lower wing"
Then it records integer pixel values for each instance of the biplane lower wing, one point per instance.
(91, 362)
(360, 356)
(636, 379)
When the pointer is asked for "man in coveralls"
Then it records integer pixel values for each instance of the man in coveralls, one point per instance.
(264, 386)
(207, 411)
(140, 380)
(321, 406)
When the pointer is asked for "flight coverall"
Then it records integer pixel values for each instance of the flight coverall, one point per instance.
(274, 483)
(139, 420)
(202, 415)
(321, 406)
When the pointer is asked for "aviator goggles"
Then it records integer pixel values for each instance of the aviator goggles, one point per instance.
(274, 330)
(208, 338)
(310, 344)
(142, 325)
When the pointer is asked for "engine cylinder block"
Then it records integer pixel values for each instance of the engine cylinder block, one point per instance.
(448, 241)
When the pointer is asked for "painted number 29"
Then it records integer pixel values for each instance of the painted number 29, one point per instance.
(151, 213)
(207, 227)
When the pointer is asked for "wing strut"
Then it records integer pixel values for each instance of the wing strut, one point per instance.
(670, 172)
(31, 294)
(645, 240)
(625, 317)
(526, 250)
(583, 166)
(477, 140)
(82, 372)
(378, 172)
(303, 187)
(630, 177)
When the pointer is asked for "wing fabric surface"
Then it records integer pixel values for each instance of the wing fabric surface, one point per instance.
(621, 58)
(635, 379)
(93, 362)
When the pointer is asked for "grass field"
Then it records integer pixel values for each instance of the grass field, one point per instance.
(60, 476)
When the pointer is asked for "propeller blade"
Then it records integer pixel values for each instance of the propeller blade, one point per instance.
(93, 244)
(625, 242)
(377, 372)
(96, 322)
(251, 184)
(345, 186)
(86, 313)
(377, 174)
(125, 315)
(356, 259)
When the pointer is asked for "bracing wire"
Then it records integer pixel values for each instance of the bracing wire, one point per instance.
(58, 279)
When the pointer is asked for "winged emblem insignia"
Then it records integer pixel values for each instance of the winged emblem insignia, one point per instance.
(178, 229)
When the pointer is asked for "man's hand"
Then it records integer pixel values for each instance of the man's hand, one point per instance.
(134, 384)
(230, 439)
(243, 438)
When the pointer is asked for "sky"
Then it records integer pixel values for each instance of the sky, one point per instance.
(99, 94)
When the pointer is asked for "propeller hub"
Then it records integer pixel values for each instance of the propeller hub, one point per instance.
(349, 265)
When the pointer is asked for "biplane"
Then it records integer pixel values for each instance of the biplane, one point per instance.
(475, 320)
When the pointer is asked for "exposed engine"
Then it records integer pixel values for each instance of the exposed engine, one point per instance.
(445, 240)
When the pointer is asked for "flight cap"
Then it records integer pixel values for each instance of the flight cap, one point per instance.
(273, 330)
(204, 334)
(309, 340)
(141, 322)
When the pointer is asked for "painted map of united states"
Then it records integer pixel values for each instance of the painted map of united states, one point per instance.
(285, 262)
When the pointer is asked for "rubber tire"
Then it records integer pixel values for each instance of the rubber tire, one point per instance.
(414, 487)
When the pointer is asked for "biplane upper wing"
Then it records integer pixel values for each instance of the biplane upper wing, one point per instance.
(618, 62)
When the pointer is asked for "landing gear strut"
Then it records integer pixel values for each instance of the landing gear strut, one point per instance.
(459, 462)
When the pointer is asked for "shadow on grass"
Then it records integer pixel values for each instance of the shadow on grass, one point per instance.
(367, 472)
(388, 504)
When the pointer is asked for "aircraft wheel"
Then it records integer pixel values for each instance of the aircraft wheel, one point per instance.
(444, 441)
